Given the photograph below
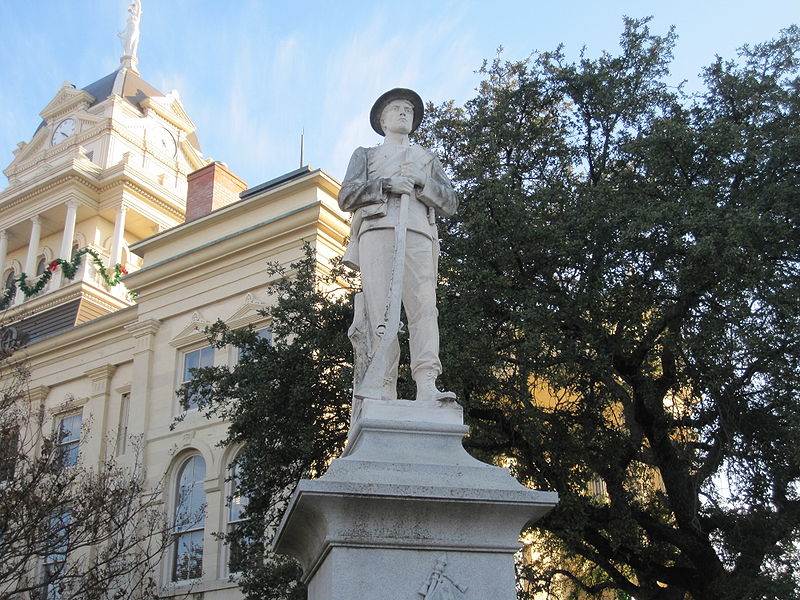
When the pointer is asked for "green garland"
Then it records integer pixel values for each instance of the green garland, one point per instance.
(69, 268)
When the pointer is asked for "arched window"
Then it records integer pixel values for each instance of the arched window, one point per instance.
(9, 282)
(190, 517)
(40, 266)
(237, 518)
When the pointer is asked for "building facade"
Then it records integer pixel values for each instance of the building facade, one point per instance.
(116, 167)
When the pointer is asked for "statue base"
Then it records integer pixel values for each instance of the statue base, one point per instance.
(129, 62)
(406, 514)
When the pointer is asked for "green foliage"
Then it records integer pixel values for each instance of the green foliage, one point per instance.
(69, 268)
(288, 405)
(629, 257)
(619, 313)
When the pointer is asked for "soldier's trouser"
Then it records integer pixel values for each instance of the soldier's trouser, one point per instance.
(376, 254)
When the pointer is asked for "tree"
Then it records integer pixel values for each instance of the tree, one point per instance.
(300, 382)
(69, 531)
(619, 313)
(635, 316)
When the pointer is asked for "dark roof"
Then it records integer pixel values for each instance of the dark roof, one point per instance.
(50, 322)
(101, 89)
(276, 182)
(134, 90)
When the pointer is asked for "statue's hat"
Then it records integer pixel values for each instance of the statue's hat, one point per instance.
(396, 94)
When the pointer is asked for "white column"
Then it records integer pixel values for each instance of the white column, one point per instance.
(3, 252)
(33, 247)
(66, 240)
(69, 229)
(119, 233)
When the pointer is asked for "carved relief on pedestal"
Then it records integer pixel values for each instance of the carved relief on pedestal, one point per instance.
(439, 585)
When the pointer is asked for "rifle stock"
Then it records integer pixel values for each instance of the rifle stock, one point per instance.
(371, 385)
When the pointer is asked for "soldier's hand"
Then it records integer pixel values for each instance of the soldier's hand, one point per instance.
(401, 185)
(418, 177)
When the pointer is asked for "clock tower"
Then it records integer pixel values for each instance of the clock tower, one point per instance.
(106, 167)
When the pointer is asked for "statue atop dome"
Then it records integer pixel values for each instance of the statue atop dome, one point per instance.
(129, 36)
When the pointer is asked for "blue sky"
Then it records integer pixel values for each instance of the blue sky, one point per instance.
(253, 73)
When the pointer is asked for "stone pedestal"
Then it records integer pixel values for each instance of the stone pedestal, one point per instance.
(406, 514)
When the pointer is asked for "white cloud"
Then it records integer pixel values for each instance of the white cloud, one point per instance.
(286, 57)
(434, 58)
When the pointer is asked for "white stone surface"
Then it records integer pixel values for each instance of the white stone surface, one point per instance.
(129, 37)
(395, 191)
(404, 495)
(401, 575)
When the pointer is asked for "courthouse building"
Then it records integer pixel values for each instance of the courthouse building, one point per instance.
(116, 166)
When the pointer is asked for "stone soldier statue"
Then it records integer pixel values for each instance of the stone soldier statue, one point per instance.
(395, 191)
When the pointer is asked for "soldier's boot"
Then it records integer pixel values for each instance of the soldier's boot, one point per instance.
(426, 386)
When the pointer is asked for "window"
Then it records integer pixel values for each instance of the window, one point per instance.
(56, 558)
(237, 517)
(9, 282)
(69, 439)
(122, 430)
(190, 505)
(204, 357)
(40, 266)
(264, 334)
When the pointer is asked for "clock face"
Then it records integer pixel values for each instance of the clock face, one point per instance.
(165, 142)
(63, 130)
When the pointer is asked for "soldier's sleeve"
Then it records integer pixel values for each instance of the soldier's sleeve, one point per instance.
(438, 191)
(356, 190)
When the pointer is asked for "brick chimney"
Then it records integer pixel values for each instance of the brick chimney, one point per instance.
(210, 188)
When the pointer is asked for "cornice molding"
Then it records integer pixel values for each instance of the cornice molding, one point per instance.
(144, 334)
(171, 110)
(45, 302)
(80, 290)
(100, 379)
(103, 299)
(73, 175)
(129, 184)
(67, 99)
(247, 313)
(103, 372)
(315, 179)
(38, 393)
(192, 333)
(31, 156)
(143, 328)
(71, 404)
(124, 177)
(284, 230)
